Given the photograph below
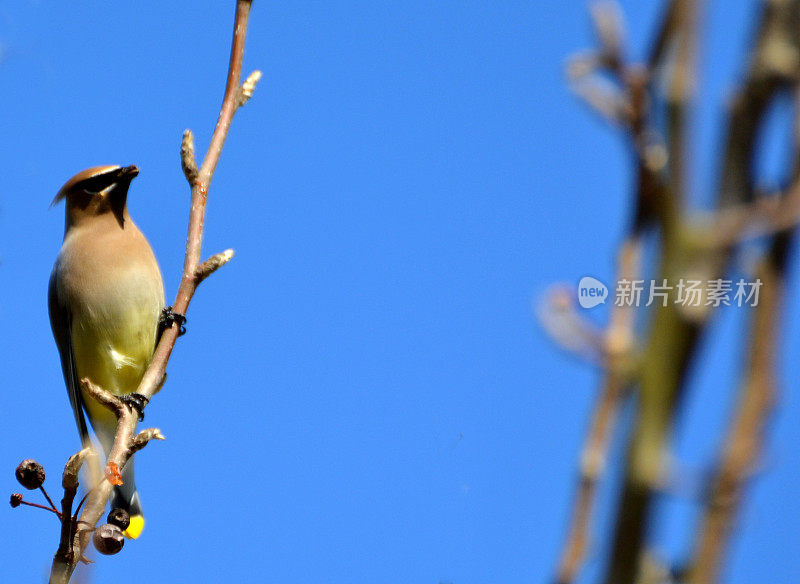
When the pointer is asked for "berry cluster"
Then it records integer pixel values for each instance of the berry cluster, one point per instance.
(108, 538)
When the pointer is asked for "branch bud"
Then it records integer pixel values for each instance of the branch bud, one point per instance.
(144, 437)
(188, 162)
(212, 264)
(248, 87)
(69, 480)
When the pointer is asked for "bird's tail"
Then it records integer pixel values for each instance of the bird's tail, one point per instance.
(126, 497)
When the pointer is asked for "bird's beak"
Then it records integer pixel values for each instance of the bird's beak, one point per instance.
(129, 172)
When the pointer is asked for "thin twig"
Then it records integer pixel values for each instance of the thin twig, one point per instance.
(80, 504)
(49, 500)
(766, 215)
(45, 507)
(743, 443)
(619, 345)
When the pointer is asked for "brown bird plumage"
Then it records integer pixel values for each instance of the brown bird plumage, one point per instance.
(105, 299)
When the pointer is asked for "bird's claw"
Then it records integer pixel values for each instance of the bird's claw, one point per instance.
(169, 317)
(135, 401)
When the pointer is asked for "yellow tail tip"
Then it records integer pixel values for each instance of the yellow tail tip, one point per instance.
(135, 528)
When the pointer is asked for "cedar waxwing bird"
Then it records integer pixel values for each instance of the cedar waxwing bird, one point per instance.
(105, 299)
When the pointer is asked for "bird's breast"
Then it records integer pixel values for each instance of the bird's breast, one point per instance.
(114, 290)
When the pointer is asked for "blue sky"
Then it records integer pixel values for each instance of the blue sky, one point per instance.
(363, 394)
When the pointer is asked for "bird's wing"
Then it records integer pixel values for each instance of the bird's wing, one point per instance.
(61, 322)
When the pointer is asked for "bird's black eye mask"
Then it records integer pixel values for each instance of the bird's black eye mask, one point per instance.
(91, 187)
(97, 183)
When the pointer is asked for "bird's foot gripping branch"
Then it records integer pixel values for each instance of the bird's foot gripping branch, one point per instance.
(170, 318)
(136, 401)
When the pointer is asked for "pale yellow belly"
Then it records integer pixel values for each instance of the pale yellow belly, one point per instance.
(113, 352)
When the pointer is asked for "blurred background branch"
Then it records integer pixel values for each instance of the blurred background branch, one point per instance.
(651, 103)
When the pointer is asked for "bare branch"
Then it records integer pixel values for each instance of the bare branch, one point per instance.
(675, 69)
(619, 344)
(745, 435)
(765, 215)
(607, 21)
(773, 67)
